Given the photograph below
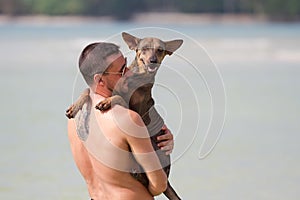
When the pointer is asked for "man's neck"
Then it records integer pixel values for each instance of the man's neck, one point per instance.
(103, 94)
(101, 91)
(96, 97)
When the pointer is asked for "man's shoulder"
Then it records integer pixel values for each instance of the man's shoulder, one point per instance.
(129, 122)
(127, 114)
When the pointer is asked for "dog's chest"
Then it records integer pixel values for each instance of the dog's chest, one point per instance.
(139, 94)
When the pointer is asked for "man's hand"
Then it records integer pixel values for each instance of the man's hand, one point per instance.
(165, 141)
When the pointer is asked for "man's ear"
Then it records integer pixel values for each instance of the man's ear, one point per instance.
(98, 79)
(131, 40)
(172, 46)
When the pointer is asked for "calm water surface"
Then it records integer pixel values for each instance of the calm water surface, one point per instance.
(257, 156)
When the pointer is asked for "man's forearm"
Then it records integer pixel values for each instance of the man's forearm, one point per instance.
(160, 185)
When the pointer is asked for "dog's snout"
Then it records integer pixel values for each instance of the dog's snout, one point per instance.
(153, 59)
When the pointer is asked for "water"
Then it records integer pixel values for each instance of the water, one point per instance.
(256, 156)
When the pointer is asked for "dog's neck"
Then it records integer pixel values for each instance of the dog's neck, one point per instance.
(136, 68)
(133, 64)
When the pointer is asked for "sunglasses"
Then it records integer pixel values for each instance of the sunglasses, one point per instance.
(122, 71)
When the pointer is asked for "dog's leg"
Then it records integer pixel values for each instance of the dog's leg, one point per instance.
(141, 177)
(73, 109)
(170, 193)
(111, 101)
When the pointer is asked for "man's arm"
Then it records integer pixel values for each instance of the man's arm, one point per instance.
(145, 155)
(79, 152)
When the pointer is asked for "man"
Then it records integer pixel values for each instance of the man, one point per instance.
(102, 142)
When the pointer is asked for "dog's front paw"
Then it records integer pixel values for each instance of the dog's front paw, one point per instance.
(104, 105)
(70, 112)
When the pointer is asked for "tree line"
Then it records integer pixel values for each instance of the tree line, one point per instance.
(125, 9)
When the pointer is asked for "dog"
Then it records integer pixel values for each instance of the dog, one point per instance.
(134, 90)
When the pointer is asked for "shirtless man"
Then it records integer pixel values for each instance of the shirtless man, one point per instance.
(102, 143)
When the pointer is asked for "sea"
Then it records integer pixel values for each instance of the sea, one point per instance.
(230, 95)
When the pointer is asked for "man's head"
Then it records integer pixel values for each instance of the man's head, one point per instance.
(102, 63)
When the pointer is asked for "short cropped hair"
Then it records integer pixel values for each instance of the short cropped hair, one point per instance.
(92, 59)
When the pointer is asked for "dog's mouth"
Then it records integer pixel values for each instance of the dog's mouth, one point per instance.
(152, 67)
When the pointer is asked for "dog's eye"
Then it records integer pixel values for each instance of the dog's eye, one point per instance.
(144, 50)
(160, 50)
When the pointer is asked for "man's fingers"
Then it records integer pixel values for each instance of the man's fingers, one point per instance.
(168, 153)
(166, 146)
(164, 127)
(168, 149)
(166, 136)
(165, 143)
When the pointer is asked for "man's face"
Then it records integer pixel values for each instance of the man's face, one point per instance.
(114, 71)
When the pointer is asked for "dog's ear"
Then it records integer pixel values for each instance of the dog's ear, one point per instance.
(131, 40)
(172, 46)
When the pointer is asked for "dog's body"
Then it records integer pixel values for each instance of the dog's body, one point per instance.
(134, 91)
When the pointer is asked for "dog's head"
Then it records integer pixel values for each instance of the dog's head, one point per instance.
(150, 51)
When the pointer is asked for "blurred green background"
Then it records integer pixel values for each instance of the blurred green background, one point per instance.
(123, 10)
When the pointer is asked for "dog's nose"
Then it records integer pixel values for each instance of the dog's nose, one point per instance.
(153, 59)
